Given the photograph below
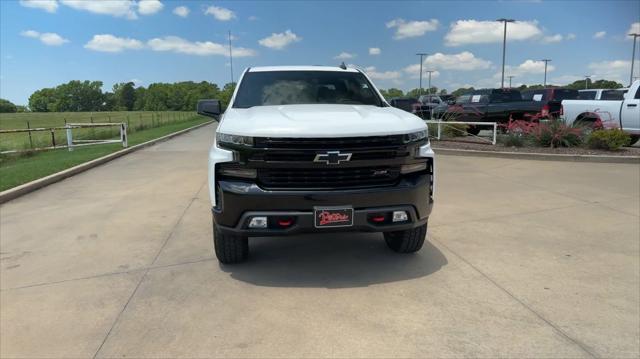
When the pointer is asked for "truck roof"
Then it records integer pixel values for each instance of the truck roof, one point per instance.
(300, 68)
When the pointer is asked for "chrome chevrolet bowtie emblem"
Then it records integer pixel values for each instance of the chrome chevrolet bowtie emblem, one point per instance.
(332, 157)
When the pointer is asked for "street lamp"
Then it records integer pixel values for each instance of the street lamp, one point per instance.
(421, 54)
(429, 72)
(586, 81)
(545, 70)
(633, 56)
(510, 77)
(504, 45)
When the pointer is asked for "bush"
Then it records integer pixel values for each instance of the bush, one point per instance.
(555, 133)
(454, 130)
(610, 140)
(513, 140)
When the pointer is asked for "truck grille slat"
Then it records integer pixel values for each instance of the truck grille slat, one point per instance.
(328, 178)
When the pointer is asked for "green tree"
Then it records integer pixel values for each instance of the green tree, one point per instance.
(42, 100)
(461, 91)
(227, 93)
(125, 96)
(7, 106)
(443, 92)
(391, 93)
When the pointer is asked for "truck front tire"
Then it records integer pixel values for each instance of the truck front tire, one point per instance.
(230, 248)
(407, 241)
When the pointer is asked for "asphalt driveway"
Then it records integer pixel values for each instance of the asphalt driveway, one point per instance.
(525, 259)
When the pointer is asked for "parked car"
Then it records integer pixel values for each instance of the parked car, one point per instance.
(492, 105)
(316, 149)
(550, 99)
(624, 114)
(427, 104)
(602, 94)
(405, 103)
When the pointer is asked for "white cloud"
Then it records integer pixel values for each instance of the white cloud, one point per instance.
(252, 18)
(552, 39)
(220, 13)
(570, 36)
(406, 29)
(117, 8)
(531, 67)
(136, 82)
(464, 61)
(599, 35)
(633, 29)
(46, 5)
(464, 32)
(414, 71)
(386, 75)
(47, 38)
(110, 43)
(374, 51)
(279, 41)
(149, 7)
(206, 48)
(181, 11)
(344, 56)
(617, 70)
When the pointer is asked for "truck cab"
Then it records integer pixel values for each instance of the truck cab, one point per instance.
(304, 149)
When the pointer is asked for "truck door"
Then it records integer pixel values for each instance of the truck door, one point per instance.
(630, 113)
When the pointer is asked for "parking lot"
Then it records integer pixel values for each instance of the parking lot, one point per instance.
(524, 259)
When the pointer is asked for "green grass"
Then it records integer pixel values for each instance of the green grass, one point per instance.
(136, 120)
(18, 169)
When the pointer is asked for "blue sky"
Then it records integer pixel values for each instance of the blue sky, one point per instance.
(44, 43)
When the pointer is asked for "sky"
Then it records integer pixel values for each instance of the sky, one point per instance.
(44, 43)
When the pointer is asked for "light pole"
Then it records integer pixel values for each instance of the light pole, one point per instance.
(510, 77)
(421, 54)
(230, 57)
(586, 81)
(504, 45)
(429, 72)
(633, 56)
(545, 70)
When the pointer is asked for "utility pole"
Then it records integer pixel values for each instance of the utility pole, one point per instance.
(230, 57)
(633, 56)
(545, 70)
(421, 54)
(429, 72)
(504, 45)
(586, 81)
(510, 77)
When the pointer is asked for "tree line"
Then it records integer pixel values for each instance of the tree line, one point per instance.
(76, 96)
(88, 96)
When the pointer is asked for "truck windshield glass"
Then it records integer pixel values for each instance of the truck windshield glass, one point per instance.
(271, 88)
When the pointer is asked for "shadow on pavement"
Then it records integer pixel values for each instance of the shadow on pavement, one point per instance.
(332, 261)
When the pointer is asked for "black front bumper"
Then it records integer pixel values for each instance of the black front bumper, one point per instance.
(240, 200)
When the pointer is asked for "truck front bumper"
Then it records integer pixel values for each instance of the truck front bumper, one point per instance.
(239, 201)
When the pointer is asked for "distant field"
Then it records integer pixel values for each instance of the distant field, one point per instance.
(136, 120)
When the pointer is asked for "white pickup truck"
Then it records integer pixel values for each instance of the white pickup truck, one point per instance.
(316, 149)
(624, 114)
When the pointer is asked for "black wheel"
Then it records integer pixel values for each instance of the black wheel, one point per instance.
(407, 241)
(473, 130)
(634, 139)
(229, 248)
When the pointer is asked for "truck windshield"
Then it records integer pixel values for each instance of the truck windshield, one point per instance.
(270, 88)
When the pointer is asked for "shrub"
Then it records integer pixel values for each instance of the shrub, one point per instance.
(610, 140)
(513, 140)
(555, 133)
(454, 130)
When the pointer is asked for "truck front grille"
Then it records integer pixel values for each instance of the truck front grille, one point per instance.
(366, 142)
(328, 178)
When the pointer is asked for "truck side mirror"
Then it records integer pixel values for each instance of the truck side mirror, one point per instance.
(210, 108)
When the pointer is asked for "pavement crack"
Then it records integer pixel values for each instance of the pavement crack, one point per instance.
(555, 327)
(146, 271)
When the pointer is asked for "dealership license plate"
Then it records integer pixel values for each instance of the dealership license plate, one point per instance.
(326, 217)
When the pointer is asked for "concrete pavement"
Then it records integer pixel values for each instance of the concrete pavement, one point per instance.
(525, 259)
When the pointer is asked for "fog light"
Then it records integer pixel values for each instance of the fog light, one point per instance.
(258, 222)
(400, 216)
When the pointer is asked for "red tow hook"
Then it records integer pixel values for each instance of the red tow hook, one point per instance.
(285, 222)
(378, 219)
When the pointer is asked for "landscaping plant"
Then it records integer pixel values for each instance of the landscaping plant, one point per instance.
(611, 139)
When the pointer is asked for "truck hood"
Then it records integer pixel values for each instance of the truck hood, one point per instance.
(318, 121)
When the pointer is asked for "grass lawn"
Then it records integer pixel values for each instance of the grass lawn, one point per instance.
(16, 170)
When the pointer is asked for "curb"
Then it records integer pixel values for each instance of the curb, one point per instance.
(28, 187)
(539, 156)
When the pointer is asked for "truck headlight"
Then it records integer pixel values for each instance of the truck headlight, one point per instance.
(234, 140)
(415, 136)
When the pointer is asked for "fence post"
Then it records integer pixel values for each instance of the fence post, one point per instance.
(123, 135)
(30, 140)
(69, 137)
(53, 137)
(495, 131)
(439, 129)
(91, 119)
